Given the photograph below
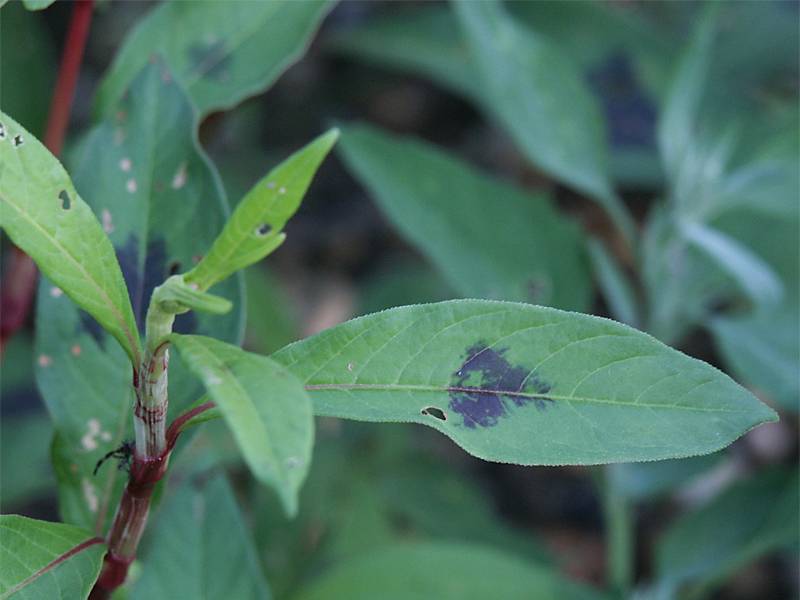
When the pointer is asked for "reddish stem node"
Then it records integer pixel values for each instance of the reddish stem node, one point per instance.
(134, 506)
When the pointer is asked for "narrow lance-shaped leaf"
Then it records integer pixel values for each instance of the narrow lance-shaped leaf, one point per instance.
(256, 226)
(47, 560)
(755, 276)
(266, 408)
(524, 384)
(200, 547)
(43, 215)
(677, 128)
(488, 239)
(221, 52)
(542, 102)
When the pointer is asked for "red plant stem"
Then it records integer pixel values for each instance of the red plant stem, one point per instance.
(68, 75)
(134, 506)
(20, 280)
(175, 428)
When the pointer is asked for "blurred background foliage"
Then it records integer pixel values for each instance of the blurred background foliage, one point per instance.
(636, 160)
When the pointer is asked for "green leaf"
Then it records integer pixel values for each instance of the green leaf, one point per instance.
(265, 407)
(751, 273)
(425, 41)
(199, 546)
(616, 287)
(443, 571)
(749, 519)
(178, 297)
(677, 128)
(24, 480)
(160, 201)
(37, 4)
(524, 384)
(763, 350)
(539, 97)
(25, 40)
(487, 238)
(43, 215)
(220, 52)
(47, 560)
(255, 228)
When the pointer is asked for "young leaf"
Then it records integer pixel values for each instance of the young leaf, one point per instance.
(265, 407)
(255, 228)
(199, 546)
(47, 560)
(524, 384)
(488, 239)
(43, 214)
(445, 571)
(746, 521)
(542, 102)
(160, 201)
(220, 52)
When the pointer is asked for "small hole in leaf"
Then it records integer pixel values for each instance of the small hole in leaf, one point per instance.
(263, 229)
(65, 201)
(18, 141)
(2, 131)
(174, 267)
(436, 413)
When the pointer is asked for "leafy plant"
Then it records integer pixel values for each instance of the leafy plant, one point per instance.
(140, 313)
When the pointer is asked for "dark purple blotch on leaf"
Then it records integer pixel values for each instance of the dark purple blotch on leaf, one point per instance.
(141, 283)
(482, 388)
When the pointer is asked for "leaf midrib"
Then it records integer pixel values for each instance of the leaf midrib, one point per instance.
(54, 241)
(319, 387)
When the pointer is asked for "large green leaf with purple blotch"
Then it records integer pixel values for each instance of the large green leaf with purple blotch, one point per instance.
(43, 215)
(221, 52)
(159, 200)
(524, 384)
(47, 560)
(489, 239)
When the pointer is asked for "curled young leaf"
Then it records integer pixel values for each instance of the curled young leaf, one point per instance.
(255, 227)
